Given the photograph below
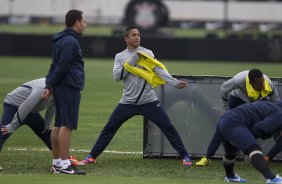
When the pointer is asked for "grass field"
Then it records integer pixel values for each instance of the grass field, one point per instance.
(25, 159)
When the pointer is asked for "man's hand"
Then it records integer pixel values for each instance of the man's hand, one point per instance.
(46, 93)
(4, 130)
(181, 84)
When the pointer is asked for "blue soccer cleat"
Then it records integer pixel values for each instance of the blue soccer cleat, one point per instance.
(277, 180)
(186, 161)
(236, 178)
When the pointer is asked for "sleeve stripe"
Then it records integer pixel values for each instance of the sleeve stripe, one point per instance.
(121, 75)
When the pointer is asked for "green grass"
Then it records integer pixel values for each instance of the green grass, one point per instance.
(99, 97)
(97, 179)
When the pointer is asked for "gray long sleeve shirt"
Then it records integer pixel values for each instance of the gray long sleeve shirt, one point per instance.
(27, 98)
(236, 86)
(132, 84)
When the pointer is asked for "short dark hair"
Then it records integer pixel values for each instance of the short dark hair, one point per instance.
(255, 73)
(72, 16)
(128, 29)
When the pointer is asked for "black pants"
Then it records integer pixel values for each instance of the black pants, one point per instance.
(33, 120)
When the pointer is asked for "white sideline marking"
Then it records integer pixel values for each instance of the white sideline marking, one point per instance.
(76, 150)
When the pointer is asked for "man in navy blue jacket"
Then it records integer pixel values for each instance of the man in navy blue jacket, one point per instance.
(239, 128)
(65, 80)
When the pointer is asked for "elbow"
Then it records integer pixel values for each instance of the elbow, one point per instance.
(117, 78)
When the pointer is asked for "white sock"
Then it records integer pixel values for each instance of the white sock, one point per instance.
(57, 162)
(65, 163)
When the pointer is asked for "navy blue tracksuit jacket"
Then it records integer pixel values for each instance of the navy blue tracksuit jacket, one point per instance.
(242, 125)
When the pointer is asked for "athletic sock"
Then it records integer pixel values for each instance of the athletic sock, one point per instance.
(260, 164)
(65, 163)
(229, 169)
(57, 162)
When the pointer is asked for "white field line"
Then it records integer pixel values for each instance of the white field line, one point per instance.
(75, 150)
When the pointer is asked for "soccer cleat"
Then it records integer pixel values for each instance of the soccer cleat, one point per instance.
(186, 161)
(203, 162)
(87, 160)
(55, 169)
(72, 170)
(73, 161)
(236, 178)
(277, 180)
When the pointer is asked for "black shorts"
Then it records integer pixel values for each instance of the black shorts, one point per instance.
(67, 100)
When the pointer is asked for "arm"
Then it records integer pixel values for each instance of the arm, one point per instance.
(119, 71)
(48, 81)
(25, 108)
(225, 90)
(274, 96)
(50, 112)
(169, 79)
(68, 51)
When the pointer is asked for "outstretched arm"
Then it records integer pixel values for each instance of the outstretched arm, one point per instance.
(25, 108)
(50, 112)
(169, 79)
(225, 89)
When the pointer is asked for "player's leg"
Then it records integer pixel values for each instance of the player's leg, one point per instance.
(121, 113)
(212, 148)
(67, 100)
(56, 162)
(8, 114)
(64, 140)
(230, 131)
(229, 161)
(275, 149)
(243, 139)
(213, 145)
(257, 160)
(36, 123)
(156, 113)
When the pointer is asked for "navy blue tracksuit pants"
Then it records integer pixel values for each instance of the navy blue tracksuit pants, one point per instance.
(33, 120)
(234, 134)
(216, 141)
(276, 148)
(152, 111)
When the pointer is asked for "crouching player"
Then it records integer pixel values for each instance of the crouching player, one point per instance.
(22, 106)
(239, 129)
